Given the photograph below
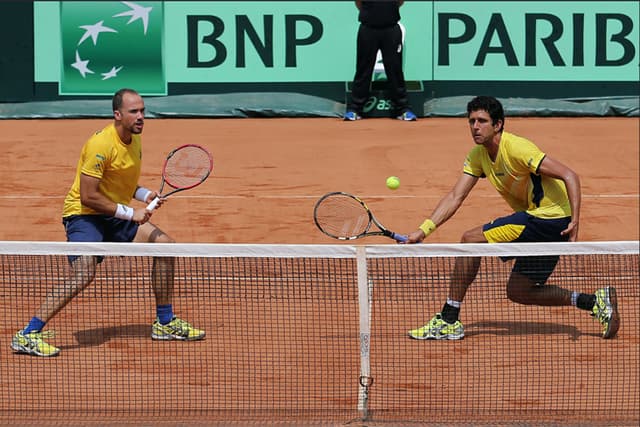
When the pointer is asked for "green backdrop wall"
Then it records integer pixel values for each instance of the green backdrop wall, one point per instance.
(542, 49)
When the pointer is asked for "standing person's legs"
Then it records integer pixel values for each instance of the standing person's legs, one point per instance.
(527, 282)
(392, 52)
(445, 325)
(530, 273)
(367, 49)
(166, 326)
(162, 273)
(78, 228)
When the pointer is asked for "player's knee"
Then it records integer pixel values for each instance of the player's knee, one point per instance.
(516, 295)
(469, 236)
(158, 236)
(163, 238)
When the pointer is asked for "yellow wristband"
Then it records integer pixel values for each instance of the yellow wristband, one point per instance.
(427, 227)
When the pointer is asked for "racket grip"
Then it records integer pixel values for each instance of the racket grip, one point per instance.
(400, 237)
(151, 206)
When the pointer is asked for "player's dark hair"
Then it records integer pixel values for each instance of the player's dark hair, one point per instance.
(116, 102)
(489, 104)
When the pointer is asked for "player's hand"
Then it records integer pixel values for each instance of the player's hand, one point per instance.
(572, 231)
(141, 215)
(152, 197)
(416, 237)
(160, 202)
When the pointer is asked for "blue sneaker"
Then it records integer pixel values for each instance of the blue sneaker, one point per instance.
(407, 116)
(351, 116)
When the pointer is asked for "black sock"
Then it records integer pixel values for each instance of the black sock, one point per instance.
(586, 301)
(450, 313)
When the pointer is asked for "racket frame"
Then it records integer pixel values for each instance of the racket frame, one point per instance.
(151, 206)
(383, 231)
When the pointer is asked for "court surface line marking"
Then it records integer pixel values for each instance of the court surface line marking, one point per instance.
(284, 196)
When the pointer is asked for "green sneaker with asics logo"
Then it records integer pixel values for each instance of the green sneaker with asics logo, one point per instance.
(34, 344)
(606, 311)
(438, 329)
(177, 329)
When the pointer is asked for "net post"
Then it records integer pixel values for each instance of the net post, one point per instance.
(365, 290)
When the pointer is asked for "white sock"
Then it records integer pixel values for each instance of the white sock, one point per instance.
(453, 303)
(574, 298)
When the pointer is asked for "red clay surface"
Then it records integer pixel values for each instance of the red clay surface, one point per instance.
(268, 174)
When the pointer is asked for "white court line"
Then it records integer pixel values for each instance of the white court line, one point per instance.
(284, 196)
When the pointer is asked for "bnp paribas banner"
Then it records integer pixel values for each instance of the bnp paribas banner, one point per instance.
(97, 47)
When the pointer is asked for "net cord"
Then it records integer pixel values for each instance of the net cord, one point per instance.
(213, 250)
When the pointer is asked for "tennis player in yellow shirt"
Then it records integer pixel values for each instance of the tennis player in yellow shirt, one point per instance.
(96, 209)
(545, 197)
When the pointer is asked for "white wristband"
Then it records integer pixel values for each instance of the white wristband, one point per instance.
(124, 212)
(142, 194)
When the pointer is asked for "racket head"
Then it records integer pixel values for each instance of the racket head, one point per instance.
(187, 166)
(342, 216)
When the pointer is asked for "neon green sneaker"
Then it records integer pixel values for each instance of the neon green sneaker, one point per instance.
(34, 344)
(606, 311)
(438, 329)
(177, 329)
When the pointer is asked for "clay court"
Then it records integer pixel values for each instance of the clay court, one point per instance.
(268, 173)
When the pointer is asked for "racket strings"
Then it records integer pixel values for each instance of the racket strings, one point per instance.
(342, 216)
(187, 167)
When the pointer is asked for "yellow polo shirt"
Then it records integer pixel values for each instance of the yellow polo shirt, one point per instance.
(515, 176)
(116, 164)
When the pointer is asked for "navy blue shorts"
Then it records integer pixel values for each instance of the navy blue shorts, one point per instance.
(522, 227)
(98, 228)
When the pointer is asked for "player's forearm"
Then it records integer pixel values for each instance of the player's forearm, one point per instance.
(99, 203)
(445, 209)
(574, 192)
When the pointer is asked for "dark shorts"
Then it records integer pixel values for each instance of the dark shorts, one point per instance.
(98, 228)
(522, 227)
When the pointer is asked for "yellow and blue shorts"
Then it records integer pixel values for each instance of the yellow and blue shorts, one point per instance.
(523, 227)
(98, 228)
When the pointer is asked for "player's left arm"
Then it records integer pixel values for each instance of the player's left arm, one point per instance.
(555, 169)
(92, 197)
(144, 195)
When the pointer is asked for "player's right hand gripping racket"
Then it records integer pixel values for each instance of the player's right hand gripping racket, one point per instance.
(345, 217)
(186, 167)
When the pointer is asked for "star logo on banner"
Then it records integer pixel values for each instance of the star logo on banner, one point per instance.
(81, 65)
(136, 12)
(93, 31)
(111, 73)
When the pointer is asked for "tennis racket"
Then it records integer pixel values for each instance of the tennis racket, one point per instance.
(185, 167)
(345, 217)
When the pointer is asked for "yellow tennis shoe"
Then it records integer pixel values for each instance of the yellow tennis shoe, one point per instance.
(33, 343)
(177, 329)
(438, 329)
(606, 311)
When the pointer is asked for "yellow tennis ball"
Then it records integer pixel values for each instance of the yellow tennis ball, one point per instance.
(393, 182)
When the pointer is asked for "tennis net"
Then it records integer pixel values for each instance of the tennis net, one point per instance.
(318, 333)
